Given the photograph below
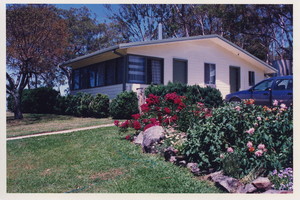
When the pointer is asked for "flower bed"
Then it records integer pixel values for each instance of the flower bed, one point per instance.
(244, 140)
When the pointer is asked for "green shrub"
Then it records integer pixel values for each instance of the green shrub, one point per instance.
(258, 136)
(99, 106)
(124, 105)
(40, 100)
(211, 97)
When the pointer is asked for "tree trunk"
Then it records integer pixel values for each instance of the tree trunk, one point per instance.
(17, 107)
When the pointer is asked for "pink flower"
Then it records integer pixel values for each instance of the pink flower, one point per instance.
(259, 153)
(275, 103)
(259, 118)
(261, 146)
(222, 156)
(283, 106)
(250, 131)
(230, 150)
(255, 124)
(237, 108)
(249, 144)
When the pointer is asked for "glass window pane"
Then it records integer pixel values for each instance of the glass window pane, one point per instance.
(210, 73)
(264, 85)
(92, 72)
(110, 72)
(76, 79)
(100, 74)
(120, 70)
(156, 71)
(136, 69)
(282, 84)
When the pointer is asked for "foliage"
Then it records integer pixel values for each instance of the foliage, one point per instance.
(282, 179)
(252, 27)
(124, 105)
(211, 97)
(36, 38)
(40, 100)
(99, 106)
(258, 136)
(168, 111)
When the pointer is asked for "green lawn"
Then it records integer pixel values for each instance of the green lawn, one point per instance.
(38, 123)
(93, 161)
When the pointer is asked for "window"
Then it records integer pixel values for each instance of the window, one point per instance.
(76, 79)
(251, 77)
(155, 74)
(139, 65)
(263, 85)
(180, 71)
(136, 69)
(210, 73)
(283, 84)
(100, 74)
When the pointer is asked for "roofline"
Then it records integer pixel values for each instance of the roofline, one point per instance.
(143, 43)
(112, 48)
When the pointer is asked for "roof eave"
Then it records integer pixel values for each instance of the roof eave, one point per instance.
(69, 62)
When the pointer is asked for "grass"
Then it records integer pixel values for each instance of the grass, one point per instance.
(93, 161)
(38, 123)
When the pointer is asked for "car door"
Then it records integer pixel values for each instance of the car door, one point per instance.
(261, 92)
(283, 91)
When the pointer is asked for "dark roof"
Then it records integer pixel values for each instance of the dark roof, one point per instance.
(144, 43)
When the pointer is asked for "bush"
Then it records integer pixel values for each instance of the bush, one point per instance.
(124, 105)
(211, 97)
(39, 100)
(99, 106)
(258, 137)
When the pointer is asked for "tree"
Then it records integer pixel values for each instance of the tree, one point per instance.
(85, 35)
(36, 38)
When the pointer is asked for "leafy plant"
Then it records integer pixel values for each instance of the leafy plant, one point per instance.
(99, 106)
(282, 179)
(124, 105)
(257, 135)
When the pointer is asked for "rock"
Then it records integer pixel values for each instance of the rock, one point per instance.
(278, 192)
(249, 188)
(230, 184)
(215, 176)
(262, 183)
(193, 168)
(152, 135)
(139, 139)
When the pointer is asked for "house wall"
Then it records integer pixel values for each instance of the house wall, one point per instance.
(111, 91)
(197, 53)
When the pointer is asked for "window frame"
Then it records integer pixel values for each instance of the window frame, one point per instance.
(147, 78)
(251, 78)
(205, 79)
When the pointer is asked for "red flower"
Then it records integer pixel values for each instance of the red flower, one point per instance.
(249, 101)
(116, 122)
(153, 120)
(148, 126)
(128, 137)
(251, 149)
(152, 99)
(136, 125)
(167, 110)
(171, 96)
(145, 108)
(136, 116)
(145, 120)
(177, 100)
(173, 118)
(125, 124)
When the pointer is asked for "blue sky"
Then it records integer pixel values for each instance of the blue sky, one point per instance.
(99, 9)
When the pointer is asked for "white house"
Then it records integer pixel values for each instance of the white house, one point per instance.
(208, 60)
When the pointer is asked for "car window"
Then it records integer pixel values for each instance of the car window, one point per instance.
(263, 85)
(283, 84)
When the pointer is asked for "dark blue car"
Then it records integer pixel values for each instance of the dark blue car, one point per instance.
(265, 92)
